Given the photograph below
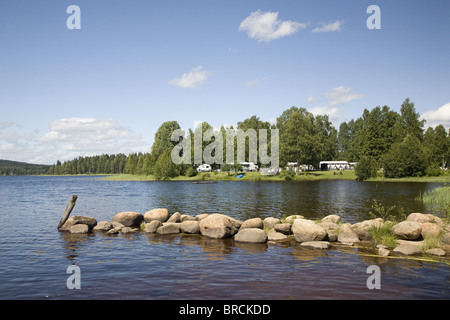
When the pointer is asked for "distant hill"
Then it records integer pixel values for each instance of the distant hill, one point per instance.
(15, 168)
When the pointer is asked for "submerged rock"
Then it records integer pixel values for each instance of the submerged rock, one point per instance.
(407, 249)
(316, 244)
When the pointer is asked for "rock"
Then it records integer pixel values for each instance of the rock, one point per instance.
(128, 219)
(422, 217)
(347, 235)
(290, 219)
(79, 228)
(306, 230)
(362, 229)
(329, 226)
(169, 228)
(113, 231)
(186, 217)
(332, 237)
(407, 249)
(152, 226)
(430, 229)
(332, 218)
(383, 250)
(161, 214)
(252, 235)
(126, 230)
(276, 236)
(219, 226)
(189, 226)
(446, 238)
(74, 220)
(176, 217)
(316, 244)
(407, 230)
(252, 223)
(436, 252)
(284, 228)
(201, 216)
(103, 226)
(117, 225)
(270, 222)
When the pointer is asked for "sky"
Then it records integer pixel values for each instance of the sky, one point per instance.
(104, 78)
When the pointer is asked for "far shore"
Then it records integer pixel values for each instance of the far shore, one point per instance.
(256, 176)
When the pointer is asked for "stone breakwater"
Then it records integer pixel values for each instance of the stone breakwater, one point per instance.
(411, 235)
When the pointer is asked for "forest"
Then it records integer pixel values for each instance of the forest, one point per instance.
(380, 139)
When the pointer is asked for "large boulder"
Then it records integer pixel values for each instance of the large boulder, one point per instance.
(74, 220)
(347, 235)
(290, 219)
(252, 223)
(407, 230)
(307, 230)
(219, 226)
(128, 218)
(252, 235)
(161, 214)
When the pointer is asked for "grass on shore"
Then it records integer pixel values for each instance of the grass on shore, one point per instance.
(256, 176)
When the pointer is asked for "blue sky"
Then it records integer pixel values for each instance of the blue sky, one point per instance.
(107, 87)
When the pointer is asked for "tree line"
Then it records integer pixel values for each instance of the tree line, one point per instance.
(380, 138)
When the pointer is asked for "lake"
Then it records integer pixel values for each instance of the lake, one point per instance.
(34, 256)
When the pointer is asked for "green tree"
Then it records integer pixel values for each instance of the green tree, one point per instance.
(131, 164)
(366, 168)
(164, 167)
(407, 158)
(163, 138)
(436, 141)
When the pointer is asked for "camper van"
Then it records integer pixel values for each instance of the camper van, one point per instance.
(204, 168)
(249, 167)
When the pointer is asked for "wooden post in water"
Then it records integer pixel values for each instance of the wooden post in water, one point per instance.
(68, 210)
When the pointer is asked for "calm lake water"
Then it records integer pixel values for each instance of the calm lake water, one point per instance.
(34, 256)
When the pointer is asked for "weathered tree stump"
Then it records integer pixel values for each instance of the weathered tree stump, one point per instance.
(68, 210)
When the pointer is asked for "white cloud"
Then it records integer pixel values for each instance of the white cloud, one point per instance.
(341, 95)
(67, 139)
(436, 117)
(329, 27)
(311, 100)
(265, 26)
(333, 113)
(193, 79)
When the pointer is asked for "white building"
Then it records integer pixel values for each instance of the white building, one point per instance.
(334, 165)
